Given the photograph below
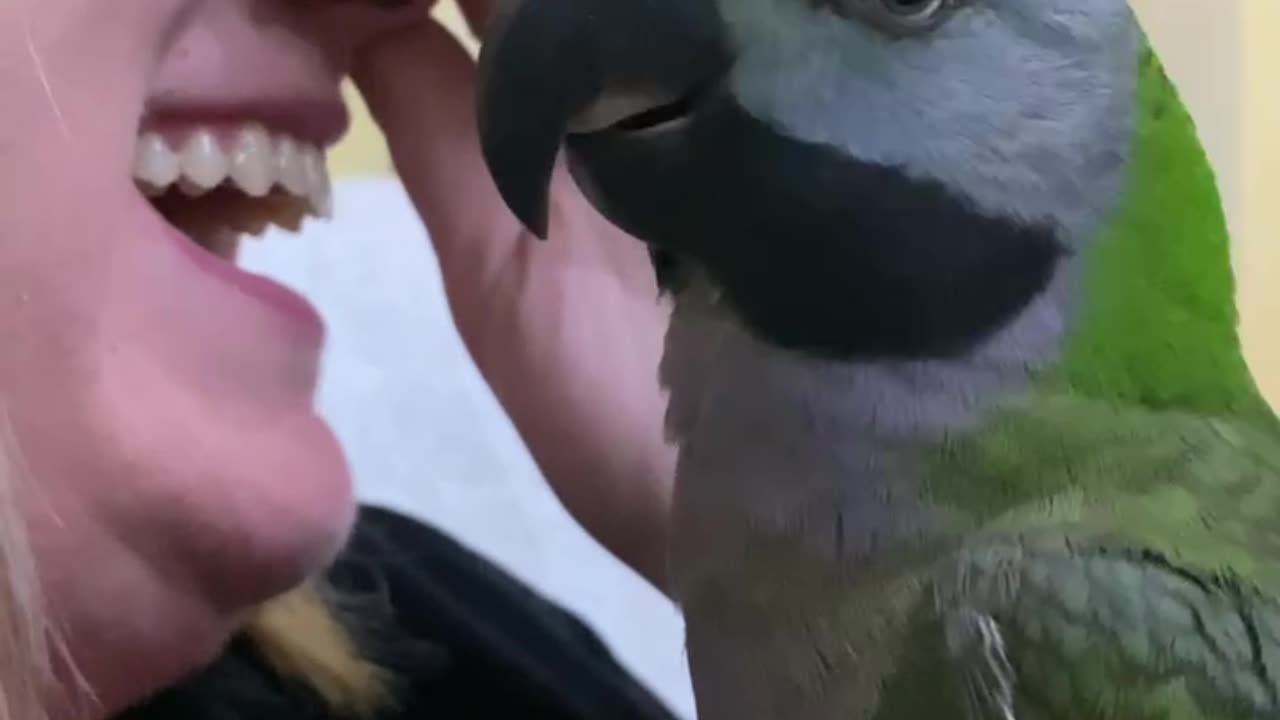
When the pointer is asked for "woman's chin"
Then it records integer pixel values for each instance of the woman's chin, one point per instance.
(288, 526)
(235, 513)
(192, 557)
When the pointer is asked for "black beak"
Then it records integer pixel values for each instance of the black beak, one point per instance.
(546, 65)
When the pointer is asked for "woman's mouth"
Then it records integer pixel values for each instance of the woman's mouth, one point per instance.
(220, 182)
(217, 175)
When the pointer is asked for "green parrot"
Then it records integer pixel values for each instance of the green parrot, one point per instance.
(964, 425)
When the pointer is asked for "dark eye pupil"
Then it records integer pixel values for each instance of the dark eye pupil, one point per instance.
(910, 7)
(896, 17)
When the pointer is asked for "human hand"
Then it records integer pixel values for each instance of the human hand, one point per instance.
(568, 333)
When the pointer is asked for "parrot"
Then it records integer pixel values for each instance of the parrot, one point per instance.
(963, 418)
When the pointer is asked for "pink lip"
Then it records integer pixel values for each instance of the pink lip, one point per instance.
(297, 311)
(320, 122)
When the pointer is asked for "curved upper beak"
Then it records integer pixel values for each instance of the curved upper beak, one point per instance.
(550, 66)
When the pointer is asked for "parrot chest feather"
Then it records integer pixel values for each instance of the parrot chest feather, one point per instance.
(1043, 625)
(1077, 627)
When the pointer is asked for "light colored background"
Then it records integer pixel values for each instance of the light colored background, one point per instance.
(425, 435)
(1224, 55)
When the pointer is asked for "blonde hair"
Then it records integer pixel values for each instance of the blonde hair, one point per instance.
(299, 634)
(302, 638)
(26, 674)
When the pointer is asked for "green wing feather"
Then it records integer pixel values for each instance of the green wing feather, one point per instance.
(1137, 579)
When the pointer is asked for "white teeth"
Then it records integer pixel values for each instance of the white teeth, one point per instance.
(250, 159)
(155, 166)
(204, 162)
(318, 189)
(290, 166)
(251, 166)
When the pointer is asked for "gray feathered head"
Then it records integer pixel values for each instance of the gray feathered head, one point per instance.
(889, 178)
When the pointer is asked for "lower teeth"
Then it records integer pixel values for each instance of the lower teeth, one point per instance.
(218, 218)
(221, 242)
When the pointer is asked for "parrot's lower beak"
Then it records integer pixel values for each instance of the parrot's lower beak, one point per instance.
(550, 67)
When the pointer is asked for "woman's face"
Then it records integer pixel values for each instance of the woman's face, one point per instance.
(170, 464)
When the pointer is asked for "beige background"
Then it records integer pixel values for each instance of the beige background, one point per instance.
(1226, 58)
(1260, 251)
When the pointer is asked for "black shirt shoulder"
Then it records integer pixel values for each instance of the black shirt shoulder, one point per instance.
(458, 637)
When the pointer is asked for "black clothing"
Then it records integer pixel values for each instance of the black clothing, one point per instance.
(461, 638)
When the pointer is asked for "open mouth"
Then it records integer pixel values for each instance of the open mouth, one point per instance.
(220, 183)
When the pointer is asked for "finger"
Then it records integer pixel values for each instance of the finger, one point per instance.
(419, 85)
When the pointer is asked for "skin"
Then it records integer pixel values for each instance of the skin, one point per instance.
(172, 471)
(580, 315)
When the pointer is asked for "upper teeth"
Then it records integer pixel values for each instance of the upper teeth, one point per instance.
(250, 158)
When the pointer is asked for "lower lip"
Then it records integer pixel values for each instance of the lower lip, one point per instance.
(299, 314)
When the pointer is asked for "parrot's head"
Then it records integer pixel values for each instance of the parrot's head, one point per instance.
(857, 178)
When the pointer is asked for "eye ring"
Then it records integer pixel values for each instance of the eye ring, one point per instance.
(896, 17)
(912, 8)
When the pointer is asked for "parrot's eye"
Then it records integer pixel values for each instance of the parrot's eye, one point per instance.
(897, 17)
(910, 8)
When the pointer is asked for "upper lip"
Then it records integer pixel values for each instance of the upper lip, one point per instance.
(319, 121)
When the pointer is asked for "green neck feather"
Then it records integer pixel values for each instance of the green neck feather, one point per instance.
(1158, 323)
